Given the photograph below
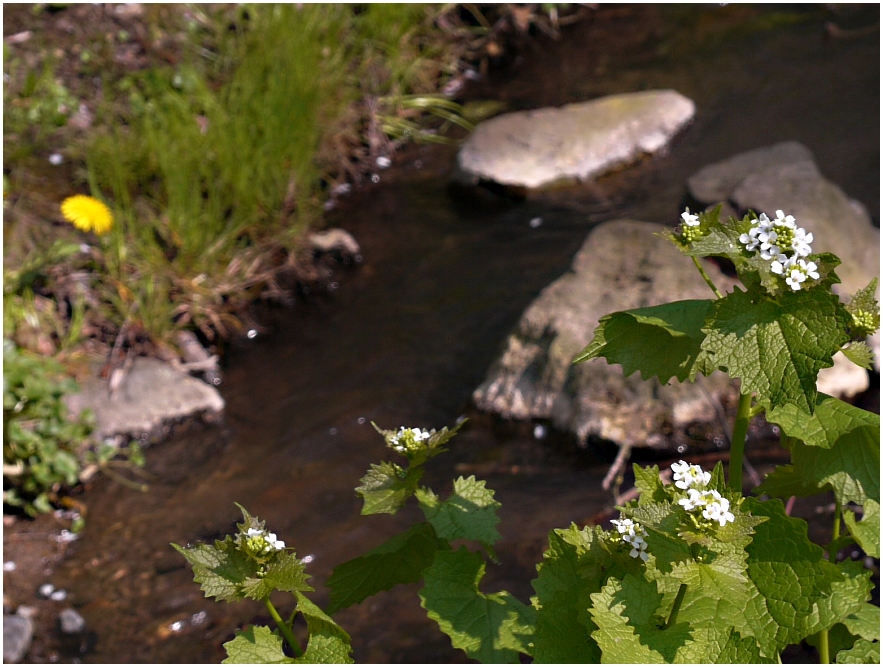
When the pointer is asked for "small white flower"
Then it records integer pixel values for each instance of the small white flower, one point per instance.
(719, 510)
(795, 278)
(801, 242)
(689, 219)
(809, 268)
(632, 534)
(782, 265)
(274, 543)
(785, 220)
(253, 532)
(695, 499)
(750, 240)
(686, 475)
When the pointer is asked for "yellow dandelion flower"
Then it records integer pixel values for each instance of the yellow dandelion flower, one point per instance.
(88, 214)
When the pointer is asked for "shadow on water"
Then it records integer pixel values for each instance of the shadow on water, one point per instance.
(409, 333)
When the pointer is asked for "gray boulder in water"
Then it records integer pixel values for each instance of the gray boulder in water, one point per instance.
(621, 265)
(542, 147)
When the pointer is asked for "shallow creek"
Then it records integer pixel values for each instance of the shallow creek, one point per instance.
(405, 336)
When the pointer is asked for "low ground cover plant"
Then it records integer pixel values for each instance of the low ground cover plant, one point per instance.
(700, 569)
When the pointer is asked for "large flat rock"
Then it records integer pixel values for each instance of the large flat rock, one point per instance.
(621, 265)
(533, 149)
(151, 394)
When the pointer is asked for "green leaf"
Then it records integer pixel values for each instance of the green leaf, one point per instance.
(832, 420)
(254, 646)
(220, 569)
(469, 513)
(386, 487)
(328, 643)
(285, 572)
(576, 565)
(776, 346)
(489, 628)
(801, 592)
(865, 622)
(851, 469)
(866, 531)
(664, 341)
(648, 483)
(631, 623)
(399, 560)
(721, 646)
(863, 653)
(859, 353)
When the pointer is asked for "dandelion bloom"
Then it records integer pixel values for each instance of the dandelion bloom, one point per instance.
(88, 214)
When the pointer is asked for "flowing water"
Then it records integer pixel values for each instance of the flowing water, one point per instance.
(406, 335)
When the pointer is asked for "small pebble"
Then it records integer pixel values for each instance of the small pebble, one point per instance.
(309, 558)
(71, 622)
(45, 590)
(332, 431)
(56, 159)
(341, 189)
(375, 178)
(9, 566)
(58, 596)
(383, 162)
(536, 222)
(252, 333)
(539, 431)
(361, 420)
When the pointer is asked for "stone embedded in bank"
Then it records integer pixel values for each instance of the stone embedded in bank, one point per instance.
(576, 142)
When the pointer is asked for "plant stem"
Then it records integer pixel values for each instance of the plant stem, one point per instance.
(838, 512)
(714, 289)
(824, 651)
(676, 607)
(284, 628)
(737, 448)
(824, 657)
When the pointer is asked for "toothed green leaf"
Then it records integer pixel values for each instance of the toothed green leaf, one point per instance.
(863, 653)
(867, 531)
(469, 513)
(489, 628)
(386, 487)
(255, 646)
(776, 346)
(399, 560)
(664, 341)
(328, 643)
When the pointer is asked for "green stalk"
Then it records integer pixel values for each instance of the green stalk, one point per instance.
(824, 657)
(714, 289)
(737, 448)
(838, 511)
(824, 650)
(284, 628)
(676, 607)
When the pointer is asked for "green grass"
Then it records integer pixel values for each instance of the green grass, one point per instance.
(217, 166)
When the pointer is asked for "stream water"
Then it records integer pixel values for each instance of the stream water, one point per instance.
(405, 336)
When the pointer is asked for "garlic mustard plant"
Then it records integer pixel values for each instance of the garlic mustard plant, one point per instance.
(697, 570)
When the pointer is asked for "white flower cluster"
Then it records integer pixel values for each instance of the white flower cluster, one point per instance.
(633, 534)
(693, 480)
(785, 244)
(409, 436)
(261, 542)
(686, 475)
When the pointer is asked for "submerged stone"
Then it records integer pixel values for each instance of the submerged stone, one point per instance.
(621, 265)
(533, 149)
(17, 634)
(150, 394)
